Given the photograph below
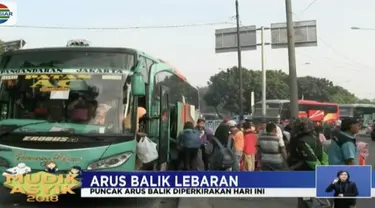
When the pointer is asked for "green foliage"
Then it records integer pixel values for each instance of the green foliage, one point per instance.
(365, 101)
(223, 89)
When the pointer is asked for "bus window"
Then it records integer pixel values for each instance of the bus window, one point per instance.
(346, 112)
(325, 108)
(268, 105)
(179, 90)
(285, 111)
(329, 108)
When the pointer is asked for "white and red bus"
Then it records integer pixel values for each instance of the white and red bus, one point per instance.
(316, 111)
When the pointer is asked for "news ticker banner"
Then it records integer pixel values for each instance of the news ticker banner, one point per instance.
(225, 184)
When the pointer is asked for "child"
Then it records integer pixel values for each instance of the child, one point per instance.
(363, 152)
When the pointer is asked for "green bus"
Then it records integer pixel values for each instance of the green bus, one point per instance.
(76, 107)
(364, 112)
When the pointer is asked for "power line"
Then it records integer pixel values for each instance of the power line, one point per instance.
(119, 28)
(345, 58)
(342, 55)
(310, 5)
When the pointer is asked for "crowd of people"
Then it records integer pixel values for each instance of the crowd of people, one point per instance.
(300, 145)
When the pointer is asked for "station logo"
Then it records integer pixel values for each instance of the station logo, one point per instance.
(8, 11)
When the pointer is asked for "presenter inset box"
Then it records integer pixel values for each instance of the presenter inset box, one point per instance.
(347, 181)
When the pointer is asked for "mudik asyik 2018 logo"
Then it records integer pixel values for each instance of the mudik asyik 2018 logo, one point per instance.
(5, 13)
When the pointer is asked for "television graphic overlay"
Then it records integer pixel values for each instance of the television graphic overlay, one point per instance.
(40, 186)
(198, 184)
(343, 181)
(8, 13)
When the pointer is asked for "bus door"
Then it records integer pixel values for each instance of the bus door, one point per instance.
(164, 131)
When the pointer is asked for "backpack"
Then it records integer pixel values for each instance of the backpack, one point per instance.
(190, 139)
(224, 158)
(313, 151)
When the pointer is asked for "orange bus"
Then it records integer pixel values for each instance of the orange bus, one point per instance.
(316, 111)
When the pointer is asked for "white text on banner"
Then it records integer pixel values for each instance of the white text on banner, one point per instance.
(196, 192)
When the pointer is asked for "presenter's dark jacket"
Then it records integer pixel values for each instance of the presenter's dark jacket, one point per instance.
(347, 188)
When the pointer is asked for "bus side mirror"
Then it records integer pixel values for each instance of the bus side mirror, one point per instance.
(138, 85)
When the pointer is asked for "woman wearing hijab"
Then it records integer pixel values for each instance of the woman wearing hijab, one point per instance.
(363, 152)
(222, 135)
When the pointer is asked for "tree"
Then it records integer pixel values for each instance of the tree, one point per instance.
(223, 89)
(204, 108)
(364, 101)
(321, 89)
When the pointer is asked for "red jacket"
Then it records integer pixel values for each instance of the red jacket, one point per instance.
(250, 142)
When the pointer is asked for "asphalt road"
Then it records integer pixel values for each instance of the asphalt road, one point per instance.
(286, 202)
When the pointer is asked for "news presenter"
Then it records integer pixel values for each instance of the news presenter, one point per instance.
(343, 187)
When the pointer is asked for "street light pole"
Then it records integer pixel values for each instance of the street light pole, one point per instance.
(239, 60)
(293, 87)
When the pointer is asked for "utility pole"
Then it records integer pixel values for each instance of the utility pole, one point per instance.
(292, 60)
(239, 59)
(264, 76)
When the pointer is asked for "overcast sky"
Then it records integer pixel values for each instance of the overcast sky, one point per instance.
(344, 56)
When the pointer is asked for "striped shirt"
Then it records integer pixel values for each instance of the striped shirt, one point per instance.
(269, 147)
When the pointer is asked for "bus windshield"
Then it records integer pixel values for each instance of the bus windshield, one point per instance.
(79, 90)
(69, 59)
(81, 102)
(272, 110)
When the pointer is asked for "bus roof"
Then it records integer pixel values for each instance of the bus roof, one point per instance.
(275, 101)
(163, 65)
(327, 103)
(97, 49)
(357, 105)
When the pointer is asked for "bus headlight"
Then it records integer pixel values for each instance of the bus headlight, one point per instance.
(110, 162)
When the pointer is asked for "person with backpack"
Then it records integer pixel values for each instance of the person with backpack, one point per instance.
(204, 132)
(222, 157)
(306, 152)
(343, 149)
(189, 142)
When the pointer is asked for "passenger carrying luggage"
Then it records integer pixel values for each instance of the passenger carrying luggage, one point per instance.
(224, 157)
(146, 150)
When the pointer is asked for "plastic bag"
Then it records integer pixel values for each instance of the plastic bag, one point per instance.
(146, 150)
